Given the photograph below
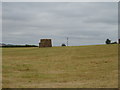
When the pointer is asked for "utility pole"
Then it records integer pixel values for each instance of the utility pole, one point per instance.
(67, 41)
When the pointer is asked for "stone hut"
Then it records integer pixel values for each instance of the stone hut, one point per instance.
(45, 43)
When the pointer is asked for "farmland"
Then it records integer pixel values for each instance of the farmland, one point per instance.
(94, 66)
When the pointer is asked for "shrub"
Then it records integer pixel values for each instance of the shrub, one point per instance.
(108, 41)
(63, 44)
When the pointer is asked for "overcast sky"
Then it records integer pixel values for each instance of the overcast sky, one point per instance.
(85, 23)
(0, 22)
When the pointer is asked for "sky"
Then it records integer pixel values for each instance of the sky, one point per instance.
(0, 22)
(84, 23)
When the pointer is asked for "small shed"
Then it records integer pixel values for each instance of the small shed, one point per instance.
(45, 43)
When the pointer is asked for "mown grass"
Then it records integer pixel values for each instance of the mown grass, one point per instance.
(61, 67)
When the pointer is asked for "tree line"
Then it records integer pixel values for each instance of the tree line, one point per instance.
(108, 41)
(19, 45)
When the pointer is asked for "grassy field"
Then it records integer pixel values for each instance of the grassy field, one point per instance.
(61, 67)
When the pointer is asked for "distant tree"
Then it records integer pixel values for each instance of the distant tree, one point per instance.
(63, 44)
(114, 43)
(108, 41)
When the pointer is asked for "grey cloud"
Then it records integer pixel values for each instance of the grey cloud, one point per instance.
(0, 22)
(28, 22)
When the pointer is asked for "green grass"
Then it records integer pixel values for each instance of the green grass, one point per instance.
(94, 66)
